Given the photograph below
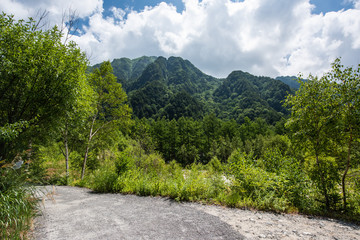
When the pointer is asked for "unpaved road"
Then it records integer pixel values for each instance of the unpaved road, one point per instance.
(78, 213)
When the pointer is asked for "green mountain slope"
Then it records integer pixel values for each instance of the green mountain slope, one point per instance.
(128, 70)
(174, 87)
(171, 88)
(244, 95)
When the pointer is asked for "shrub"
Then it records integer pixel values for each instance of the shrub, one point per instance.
(123, 163)
(215, 165)
(326, 178)
(104, 178)
(267, 183)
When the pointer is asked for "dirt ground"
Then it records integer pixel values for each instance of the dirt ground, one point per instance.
(78, 213)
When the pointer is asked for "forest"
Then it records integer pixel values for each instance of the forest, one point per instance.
(153, 126)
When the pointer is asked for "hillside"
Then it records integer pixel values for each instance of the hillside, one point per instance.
(174, 87)
(292, 81)
(127, 70)
(244, 95)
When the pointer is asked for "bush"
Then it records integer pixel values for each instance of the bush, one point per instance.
(104, 178)
(326, 179)
(273, 182)
(215, 165)
(123, 163)
(354, 192)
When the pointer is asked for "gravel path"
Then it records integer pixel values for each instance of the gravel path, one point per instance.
(78, 213)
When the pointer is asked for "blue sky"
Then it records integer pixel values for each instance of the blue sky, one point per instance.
(263, 37)
(331, 5)
(321, 5)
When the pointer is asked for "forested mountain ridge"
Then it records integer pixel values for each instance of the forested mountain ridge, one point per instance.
(174, 87)
(178, 74)
(244, 95)
(170, 88)
(127, 70)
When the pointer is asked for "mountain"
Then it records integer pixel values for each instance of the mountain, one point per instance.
(174, 87)
(128, 70)
(170, 88)
(244, 95)
(292, 81)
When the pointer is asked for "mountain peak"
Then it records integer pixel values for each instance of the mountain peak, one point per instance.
(173, 87)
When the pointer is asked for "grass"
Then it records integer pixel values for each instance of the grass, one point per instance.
(17, 204)
(239, 184)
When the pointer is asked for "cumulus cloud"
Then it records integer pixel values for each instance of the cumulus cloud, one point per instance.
(263, 37)
(23, 9)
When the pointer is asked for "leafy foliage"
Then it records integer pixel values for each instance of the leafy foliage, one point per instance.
(111, 110)
(325, 114)
(39, 78)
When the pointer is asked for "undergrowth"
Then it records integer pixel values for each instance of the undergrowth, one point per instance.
(244, 182)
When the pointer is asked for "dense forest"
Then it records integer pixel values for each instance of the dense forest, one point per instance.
(161, 127)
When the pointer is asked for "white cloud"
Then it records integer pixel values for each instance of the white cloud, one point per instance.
(22, 9)
(263, 37)
(118, 13)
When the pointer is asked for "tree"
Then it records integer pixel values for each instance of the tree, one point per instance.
(211, 126)
(314, 115)
(39, 79)
(141, 133)
(348, 94)
(189, 140)
(110, 107)
(327, 110)
(74, 121)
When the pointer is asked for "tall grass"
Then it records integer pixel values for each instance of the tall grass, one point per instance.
(17, 204)
(150, 175)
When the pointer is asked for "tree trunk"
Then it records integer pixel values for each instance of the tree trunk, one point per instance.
(66, 158)
(347, 169)
(91, 134)
(85, 159)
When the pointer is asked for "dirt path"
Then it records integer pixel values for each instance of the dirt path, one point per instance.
(264, 225)
(76, 213)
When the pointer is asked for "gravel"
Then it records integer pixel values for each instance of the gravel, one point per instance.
(78, 213)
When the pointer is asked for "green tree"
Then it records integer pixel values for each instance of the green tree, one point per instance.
(39, 79)
(348, 94)
(313, 120)
(111, 109)
(74, 122)
(141, 133)
(327, 111)
(189, 140)
(211, 127)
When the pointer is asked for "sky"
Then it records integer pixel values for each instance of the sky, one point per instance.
(262, 37)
